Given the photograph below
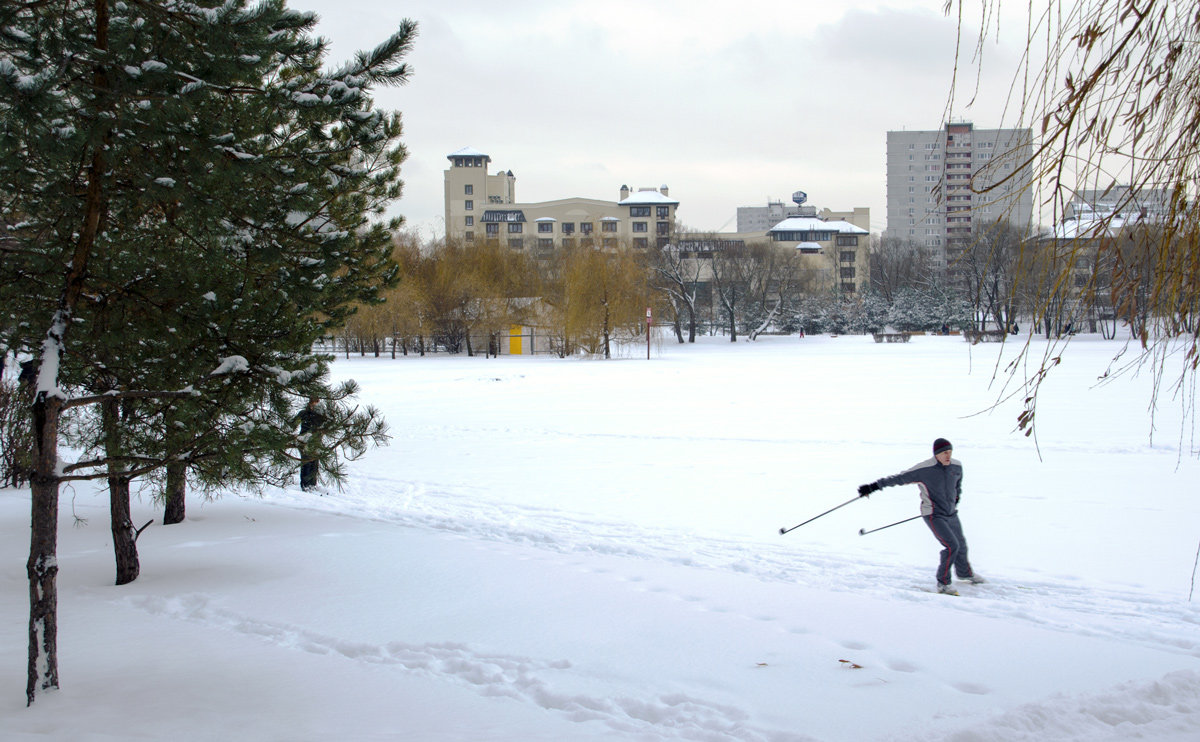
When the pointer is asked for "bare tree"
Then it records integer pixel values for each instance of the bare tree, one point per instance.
(1109, 87)
(774, 283)
(733, 272)
(899, 264)
(677, 272)
(988, 269)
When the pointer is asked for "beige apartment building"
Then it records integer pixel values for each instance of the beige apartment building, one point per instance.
(483, 206)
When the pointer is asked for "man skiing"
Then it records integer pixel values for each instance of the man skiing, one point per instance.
(940, 482)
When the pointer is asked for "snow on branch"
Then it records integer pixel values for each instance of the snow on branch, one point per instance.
(231, 365)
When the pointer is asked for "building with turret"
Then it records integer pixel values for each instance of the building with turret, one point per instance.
(482, 206)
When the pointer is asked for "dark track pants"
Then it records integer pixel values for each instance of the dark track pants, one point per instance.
(948, 532)
(308, 474)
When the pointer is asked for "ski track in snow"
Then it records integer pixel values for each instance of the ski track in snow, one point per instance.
(1084, 610)
(1168, 708)
(1159, 623)
(668, 716)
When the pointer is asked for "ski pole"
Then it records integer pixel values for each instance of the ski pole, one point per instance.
(864, 532)
(810, 520)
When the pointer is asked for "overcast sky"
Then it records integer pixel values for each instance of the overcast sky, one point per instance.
(730, 104)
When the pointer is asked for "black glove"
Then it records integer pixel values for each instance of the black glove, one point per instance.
(866, 489)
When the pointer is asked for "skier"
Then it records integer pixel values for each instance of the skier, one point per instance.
(940, 482)
(310, 422)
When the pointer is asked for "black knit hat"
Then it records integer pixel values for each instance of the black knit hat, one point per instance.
(941, 444)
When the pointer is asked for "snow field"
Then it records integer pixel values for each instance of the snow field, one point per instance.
(575, 549)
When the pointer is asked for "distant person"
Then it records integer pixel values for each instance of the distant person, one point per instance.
(945, 329)
(311, 421)
(940, 481)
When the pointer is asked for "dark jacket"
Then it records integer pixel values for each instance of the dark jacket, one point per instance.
(941, 486)
(309, 419)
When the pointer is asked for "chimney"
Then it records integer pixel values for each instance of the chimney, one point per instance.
(663, 190)
(624, 192)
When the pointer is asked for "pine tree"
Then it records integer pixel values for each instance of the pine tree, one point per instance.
(190, 202)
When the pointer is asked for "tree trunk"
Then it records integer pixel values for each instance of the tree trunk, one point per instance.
(123, 531)
(607, 350)
(42, 566)
(174, 494)
(43, 558)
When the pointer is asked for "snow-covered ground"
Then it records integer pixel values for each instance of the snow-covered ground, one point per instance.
(585, 550)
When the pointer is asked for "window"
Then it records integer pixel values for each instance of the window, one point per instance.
(493, 230)
(469, 236)
(640, 243)
(568, 228)
(640, 227)
(608, 227)
(585, 227)
(504, 215)
(570, 242)
(802, 236)
(544, 227)
(664, 212)
(846, 240)
(468, 190)
(470, 221)
(516, 243)
(469, 205)
(546, 243)
(517, 228)
(847, 273)
(662, 228)
(848, 256)
(639, 211)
